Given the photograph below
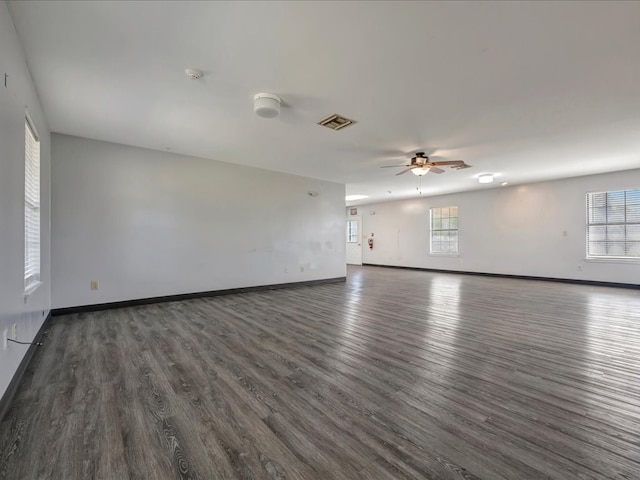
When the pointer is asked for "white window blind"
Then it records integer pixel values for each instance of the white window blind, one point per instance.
(31, 207)
(352, 231)
(613, 224)
(444, 230)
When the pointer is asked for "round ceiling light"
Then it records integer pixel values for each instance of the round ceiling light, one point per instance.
(266, 105)
(485, 178)
(420, 171)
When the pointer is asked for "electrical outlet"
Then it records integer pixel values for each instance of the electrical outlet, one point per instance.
(94, 285)
(14, 331)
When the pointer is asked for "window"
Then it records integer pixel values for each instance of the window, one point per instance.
(352, 231)
(31, 208)
(444, 230)
(613, 224)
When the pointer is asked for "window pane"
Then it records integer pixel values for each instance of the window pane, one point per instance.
(615, 233)
(597, 233)
(352, 231)
(615, 197)
(597, 249)
(633, 249)
(598, 199)
(615, 213)
(598, 215)
(633, 213)
(633, 233)
(616, 249)
(632, 197)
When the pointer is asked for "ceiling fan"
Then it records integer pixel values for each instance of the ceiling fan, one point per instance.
(421, 165)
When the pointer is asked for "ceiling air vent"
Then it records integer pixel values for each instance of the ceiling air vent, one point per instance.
(336, 122)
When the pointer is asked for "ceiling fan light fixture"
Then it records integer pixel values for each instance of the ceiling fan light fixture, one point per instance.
(266, 105)
(420, 171)
(485, 178)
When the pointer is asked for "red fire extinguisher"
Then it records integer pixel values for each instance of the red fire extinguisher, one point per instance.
(370, 242)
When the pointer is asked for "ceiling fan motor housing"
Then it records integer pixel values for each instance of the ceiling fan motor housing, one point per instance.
(419, 159)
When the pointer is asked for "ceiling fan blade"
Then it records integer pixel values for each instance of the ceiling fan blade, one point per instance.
(404, 171)
(436, 170)
(449, 162)
(394, 166)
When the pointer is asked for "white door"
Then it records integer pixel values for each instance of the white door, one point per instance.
(354, 240)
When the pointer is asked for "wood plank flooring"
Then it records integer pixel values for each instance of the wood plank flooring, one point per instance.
(394, 375)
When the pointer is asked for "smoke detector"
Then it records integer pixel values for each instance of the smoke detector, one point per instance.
(266, 105)
(193, 74)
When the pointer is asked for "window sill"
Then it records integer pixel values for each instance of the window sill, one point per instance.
(30, 290)
(449, 255)
(612, 260)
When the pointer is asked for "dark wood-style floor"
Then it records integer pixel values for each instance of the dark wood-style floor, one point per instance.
(394, 375)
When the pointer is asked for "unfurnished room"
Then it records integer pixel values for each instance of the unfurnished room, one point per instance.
(318, 240)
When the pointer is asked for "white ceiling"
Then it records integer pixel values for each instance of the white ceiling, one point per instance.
(526, 90)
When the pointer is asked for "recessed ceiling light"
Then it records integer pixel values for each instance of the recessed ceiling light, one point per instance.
(504, 183)
(351, 198)
(485, 178)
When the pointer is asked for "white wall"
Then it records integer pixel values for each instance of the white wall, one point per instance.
(535, 230)
(145, 223)
(18, 94)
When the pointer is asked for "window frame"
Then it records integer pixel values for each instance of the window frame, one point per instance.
(589, 201)
(32, 209)
(449, 252)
